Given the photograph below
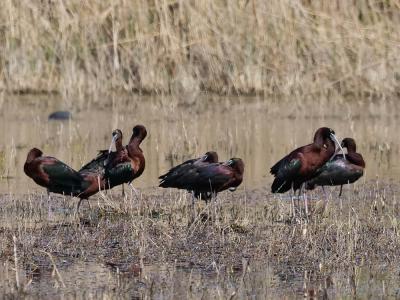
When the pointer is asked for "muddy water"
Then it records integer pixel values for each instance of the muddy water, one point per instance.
(258, 130)
(256, 280)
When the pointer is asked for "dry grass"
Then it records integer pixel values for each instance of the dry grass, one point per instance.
(283, 48)
(128, 233)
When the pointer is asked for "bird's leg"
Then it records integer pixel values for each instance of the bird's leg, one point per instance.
(292, 204)
(123, 190)
(305, 199)
(192, 210)
(48, 202)
(219, 206)
(298, 202)
(134, 190)
(78, 206)
(215, 206)
(341, 189)
(80, 202)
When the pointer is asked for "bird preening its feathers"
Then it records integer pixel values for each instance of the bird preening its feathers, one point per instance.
(53, 174)
(204, 176)
(317, 165)
(301, 164)
(341, 169)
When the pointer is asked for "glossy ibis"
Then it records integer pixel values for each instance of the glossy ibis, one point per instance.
(340, 170)
(59, 178)
(54, 175)
(105, 158)
(123, 165)
(128, 162)
(206, 179)
(175, 176)
(301, 164)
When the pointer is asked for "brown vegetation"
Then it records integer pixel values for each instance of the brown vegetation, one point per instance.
(285, 48)
(129, 232)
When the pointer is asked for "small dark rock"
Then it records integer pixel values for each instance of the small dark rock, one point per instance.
(60, 115)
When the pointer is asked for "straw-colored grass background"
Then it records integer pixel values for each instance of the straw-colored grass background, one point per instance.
(287, 48)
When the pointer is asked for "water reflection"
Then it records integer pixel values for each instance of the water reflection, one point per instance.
(259, 131)
(257, 280)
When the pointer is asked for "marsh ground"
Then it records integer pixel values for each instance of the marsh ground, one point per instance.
(244, 245)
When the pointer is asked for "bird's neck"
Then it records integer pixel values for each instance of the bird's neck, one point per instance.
(356, 159)
(351, 149)
(118, 146)
(133, 146)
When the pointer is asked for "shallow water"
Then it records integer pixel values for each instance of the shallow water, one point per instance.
(255, 280)
(259, 131)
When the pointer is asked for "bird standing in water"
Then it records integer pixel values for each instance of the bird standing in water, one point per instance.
(341, 169)
(301, 164)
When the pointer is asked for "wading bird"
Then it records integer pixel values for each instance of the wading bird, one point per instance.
(54, 175)
(302, 163)
(175, 177)
(128, 162)
(342, 169)
(123, 165)
(59, 178)
(106, 158)
(205, 179)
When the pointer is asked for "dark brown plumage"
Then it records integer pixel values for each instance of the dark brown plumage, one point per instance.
(104, 172)
(120, 166)
(53, 174)
(302, 164)
(340, 170)
(203, 178)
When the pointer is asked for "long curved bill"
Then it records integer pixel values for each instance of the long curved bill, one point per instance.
(114, 138)
(109, 149)
(228, 162)
(204, 157)
(337, 142)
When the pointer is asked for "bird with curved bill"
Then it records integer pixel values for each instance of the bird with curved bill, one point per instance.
(120, 166)
(301, 165)
(341, 169)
